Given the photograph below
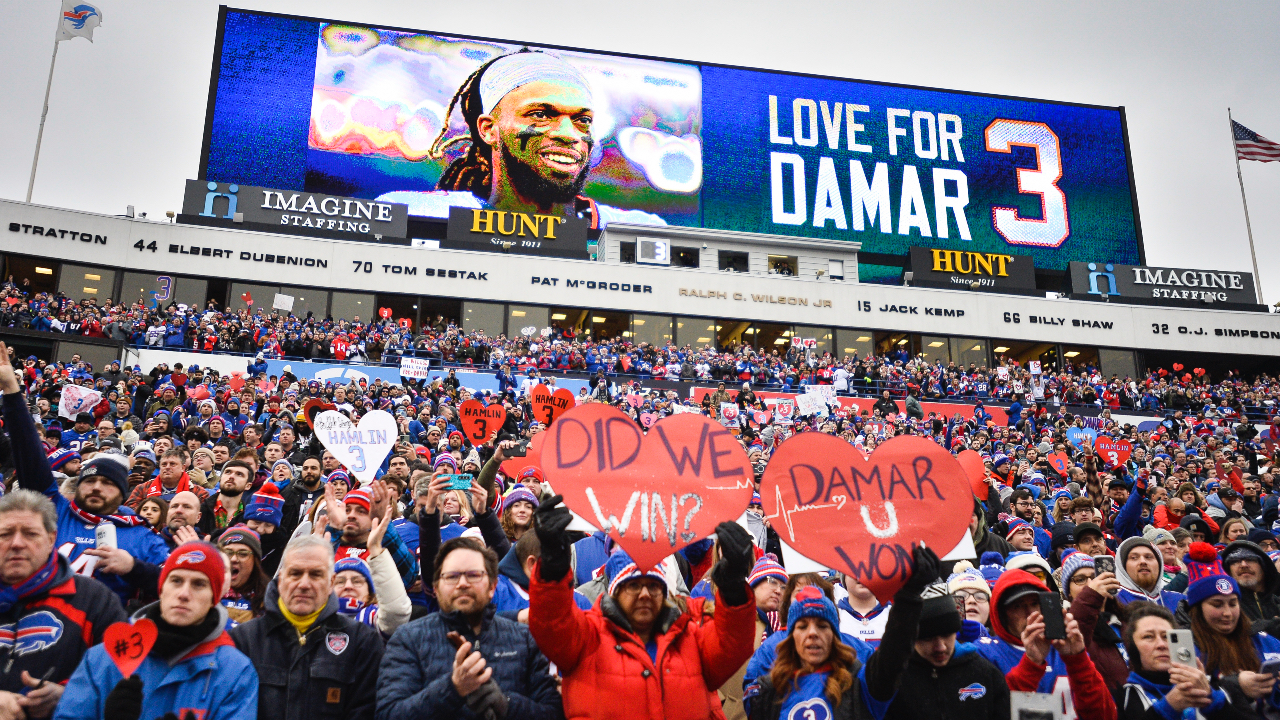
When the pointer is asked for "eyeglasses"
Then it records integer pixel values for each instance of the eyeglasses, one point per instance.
(239, 554)
(634, 588)
(473, 577)
(774, 582)
(977, 596)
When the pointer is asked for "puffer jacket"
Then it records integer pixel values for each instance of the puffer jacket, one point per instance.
(332, 674)
(607, 671)
(415, 680)
(210, 680)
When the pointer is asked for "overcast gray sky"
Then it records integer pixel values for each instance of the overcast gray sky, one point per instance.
(127, 112)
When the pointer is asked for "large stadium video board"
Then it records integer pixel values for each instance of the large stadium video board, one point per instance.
(437, 122)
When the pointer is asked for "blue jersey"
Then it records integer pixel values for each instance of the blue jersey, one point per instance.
(73, 440)
(75, 536)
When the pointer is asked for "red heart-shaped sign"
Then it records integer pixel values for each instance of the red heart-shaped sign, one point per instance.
(653, 493)
(1112, 451)
(384, 312)
(547, 406)
(1186, 377)
(1199, 372)
(128, 644)
(533, 458)
(236, 381)
(634, 400)
(247, 298)
(648, 419)
(1163, 372)
(761, 417)
(1177, 367)
(405, 323)
(179, 379)
(478, 422)
(975, 470)
(1060, 462)
(864, 516)
(200, 392)
(13, 300)
(312, 408)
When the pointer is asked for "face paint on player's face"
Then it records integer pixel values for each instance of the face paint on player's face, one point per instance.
(543, 132)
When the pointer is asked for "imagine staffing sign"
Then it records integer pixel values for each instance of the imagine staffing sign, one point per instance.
(295, 213)
(1162, 286)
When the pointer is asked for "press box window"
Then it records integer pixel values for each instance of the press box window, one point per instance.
(835, 269)
(685, 257)
(626, 252)
(784, 265)
(655, 252)
(731, 261)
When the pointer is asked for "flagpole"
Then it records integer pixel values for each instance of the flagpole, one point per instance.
(31, 184)
(1257, 278)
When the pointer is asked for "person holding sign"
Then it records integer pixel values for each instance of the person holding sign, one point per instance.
(636, 653)
(816, 672)
(180, 637)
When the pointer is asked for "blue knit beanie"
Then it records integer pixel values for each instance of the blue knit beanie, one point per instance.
(810, 601)
(358, 565)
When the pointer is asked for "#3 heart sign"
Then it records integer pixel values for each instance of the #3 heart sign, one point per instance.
(360, 448)
(1060, 462)
(975, 470)
(479, 422)
(653, 493)
(1112, 451)
(864, 515)
(1081, 438)
(128, 644)
(648, 419)
(547, 406)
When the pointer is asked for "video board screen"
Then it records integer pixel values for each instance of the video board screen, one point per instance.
(437, 122)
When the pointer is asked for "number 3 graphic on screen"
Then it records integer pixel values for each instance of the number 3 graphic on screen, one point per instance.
(1052, 228)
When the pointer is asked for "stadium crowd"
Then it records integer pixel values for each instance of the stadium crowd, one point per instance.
(279, 585)
(272, 335)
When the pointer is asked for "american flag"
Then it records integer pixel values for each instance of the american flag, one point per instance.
(1252, 146)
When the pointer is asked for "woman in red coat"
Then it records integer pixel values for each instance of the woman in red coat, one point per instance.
(636, 653)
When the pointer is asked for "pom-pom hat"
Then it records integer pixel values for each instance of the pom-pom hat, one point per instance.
(1205, 574)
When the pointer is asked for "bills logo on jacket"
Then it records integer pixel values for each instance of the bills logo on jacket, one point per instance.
(811, 709)
(972, 692)
(32, 633)
(337, 642)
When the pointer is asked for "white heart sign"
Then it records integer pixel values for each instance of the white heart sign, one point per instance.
(77, 399)
(360, 448)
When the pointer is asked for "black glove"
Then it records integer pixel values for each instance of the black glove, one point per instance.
(924, 572)
(124, 702)
(736, 559)
(487, 702)
(550, 522)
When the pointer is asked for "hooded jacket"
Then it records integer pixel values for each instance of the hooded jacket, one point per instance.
(1143, 699)
(608, 672)
(1263, 605)
(968, 686)
(1102, 639)
(1130, 590)
(1088, 691)
(212, 679)
(512, 591)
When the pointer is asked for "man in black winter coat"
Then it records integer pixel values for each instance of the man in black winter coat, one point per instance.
(313, 662)
(947, 680)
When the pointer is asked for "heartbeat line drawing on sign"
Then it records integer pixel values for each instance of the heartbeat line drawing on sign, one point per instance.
(786, 514)
(889, 530)
(736, 486)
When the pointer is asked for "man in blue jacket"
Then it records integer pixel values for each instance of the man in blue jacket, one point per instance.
(465, 661)
(134, 562)
(193, 667)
